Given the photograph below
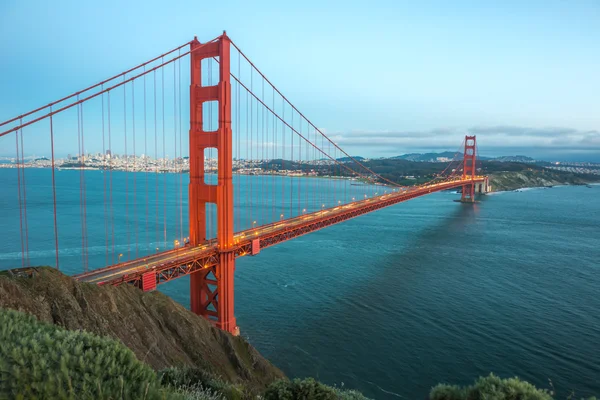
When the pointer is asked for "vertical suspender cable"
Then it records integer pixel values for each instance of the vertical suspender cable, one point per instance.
(24, 200)
(20, 201)
(164, 158)
(135, 214)
(110, 188)
(258, 208)
(329, 180)
(181, 157)
(251, 177)
(262, 154)
(238, 137)
(306, 169)
(126, 168)
(147, 239)
(238, 133)
(104, 176)
(80, 159)
(175, 159)
(246, 156)
(87, 247)
(156, 166)
(54, 186)
(282, 159)
(292, 166)
(274, 147)
(301, 168)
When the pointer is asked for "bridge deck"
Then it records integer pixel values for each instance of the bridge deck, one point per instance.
(175, 263)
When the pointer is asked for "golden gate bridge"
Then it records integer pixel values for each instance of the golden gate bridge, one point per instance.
(235, 113)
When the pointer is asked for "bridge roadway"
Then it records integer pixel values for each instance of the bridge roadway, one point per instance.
(172, 264)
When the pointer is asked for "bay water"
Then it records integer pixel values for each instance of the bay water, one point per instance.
(390, 303)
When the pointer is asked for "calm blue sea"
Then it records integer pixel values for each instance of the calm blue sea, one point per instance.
(393, 302)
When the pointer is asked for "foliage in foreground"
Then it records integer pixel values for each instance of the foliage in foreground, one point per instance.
(196, 379)
(40, 360)
(492, 388)
(308, 388)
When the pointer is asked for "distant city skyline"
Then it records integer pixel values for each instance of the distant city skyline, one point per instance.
(567, 159)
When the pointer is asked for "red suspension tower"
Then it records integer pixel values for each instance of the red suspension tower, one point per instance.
(211, 290)
(469, 170)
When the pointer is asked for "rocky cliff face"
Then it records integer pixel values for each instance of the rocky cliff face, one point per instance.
(534, 178)
(160, 332)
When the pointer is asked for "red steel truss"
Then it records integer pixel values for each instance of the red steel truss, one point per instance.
(205, 259)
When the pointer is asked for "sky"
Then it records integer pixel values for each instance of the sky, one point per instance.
(382, 78)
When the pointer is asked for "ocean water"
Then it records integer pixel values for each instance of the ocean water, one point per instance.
(393, 302)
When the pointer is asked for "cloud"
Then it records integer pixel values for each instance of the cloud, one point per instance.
(490, 138)
(522, 131)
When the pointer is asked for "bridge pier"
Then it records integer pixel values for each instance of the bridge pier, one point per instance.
(483, 187)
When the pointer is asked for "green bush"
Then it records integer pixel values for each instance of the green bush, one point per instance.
(201, 381)
(305, 389)
(492, 388)
(40, 360)
(298, 389)
(343, 394)
(198, 392)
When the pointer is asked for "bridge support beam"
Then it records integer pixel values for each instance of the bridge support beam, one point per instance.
(469, 170)
(211, 290)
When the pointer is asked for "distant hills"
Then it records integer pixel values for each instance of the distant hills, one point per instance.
(359, 158)
(523, 159)
(444, 156)
(448, 156)
(428, 157)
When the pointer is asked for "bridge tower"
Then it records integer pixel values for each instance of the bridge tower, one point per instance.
(211, 289)
(469, 170)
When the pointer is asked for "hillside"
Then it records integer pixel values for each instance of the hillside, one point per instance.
(427, 157)
(158, 330)
(434, 157)
(511, 180)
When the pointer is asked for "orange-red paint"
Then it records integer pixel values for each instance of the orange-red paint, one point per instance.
(211, 290)
(469, 169)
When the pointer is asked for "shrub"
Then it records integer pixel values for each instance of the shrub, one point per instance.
(349, 394)
(299, 389)
(40, 360)
(198, 380)
(197, 392)
(492, 388)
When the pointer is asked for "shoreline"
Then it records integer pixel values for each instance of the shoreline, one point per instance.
(528, 188)
(359, 181)
(293, 175)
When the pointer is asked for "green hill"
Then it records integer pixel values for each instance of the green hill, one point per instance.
(159, 331)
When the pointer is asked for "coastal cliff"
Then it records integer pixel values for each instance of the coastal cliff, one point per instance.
(158, 330)
(511, 180)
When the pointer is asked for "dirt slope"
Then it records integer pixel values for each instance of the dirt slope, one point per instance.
(161, 332)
